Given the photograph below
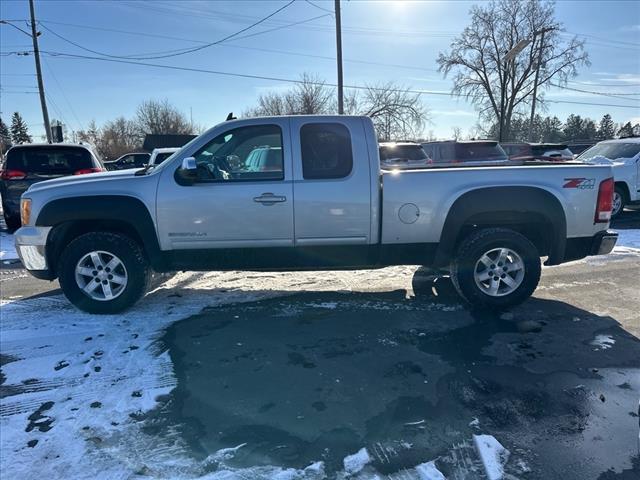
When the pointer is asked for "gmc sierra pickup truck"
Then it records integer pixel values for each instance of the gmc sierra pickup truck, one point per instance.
(321, 201)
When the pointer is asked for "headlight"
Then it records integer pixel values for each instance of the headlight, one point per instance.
(25, 211)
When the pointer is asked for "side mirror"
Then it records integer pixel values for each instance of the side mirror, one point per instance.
(187, 174)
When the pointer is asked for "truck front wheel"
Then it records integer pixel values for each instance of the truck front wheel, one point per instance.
(496, 267)
(103, 272)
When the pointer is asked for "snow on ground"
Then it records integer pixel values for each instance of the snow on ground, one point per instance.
(77, 385)
(7, 247)
(603, 342)
(493, 455)
(628, 240)
(356, 462)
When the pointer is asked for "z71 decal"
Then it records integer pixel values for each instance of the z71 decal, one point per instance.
(580, 183)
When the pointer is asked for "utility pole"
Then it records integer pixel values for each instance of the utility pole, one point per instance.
(339, 57)
(36, 54)
(535, 80)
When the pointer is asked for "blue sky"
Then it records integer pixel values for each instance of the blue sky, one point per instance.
(399, 39)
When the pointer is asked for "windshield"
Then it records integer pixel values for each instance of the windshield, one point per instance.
(611, 151)
(49, 160)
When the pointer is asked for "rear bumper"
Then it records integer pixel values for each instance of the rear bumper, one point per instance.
(31, 243)
(601, 243)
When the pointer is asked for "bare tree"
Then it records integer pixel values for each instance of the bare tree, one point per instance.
(308, 97)
(457, 133)
(160, 117)
(476, 57)
(118, 137)
(397, 112)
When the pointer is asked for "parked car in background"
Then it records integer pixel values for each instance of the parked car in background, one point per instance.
(159, 155)
(32, 163)
(469, 153)
(129, 160)
(261, 159)
(577, 146)
(398, 155)
(624, 156)
(550, 152)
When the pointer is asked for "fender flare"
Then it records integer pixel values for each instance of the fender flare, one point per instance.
(498, 203)
(123, 209)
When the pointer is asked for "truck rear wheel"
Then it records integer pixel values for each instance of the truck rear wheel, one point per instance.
(496, 267)
(103, 272)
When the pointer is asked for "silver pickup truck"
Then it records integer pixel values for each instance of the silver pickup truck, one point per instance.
(305, 193)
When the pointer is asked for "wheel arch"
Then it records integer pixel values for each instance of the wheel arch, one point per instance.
(534, 212)
(73, 216)
(625, 189)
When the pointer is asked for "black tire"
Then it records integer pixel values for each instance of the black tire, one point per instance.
(13, 223)
(474, 247)
(619, 190)
(139, 272)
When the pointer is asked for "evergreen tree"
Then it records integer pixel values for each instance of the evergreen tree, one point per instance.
(5, 137)
(551, 130)
(606, 129)
(589, 130)
(626, 130)
(19, 130)
(573, 128)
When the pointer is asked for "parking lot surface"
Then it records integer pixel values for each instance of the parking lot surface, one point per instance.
(326, 374)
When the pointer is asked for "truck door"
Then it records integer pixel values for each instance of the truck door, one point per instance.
(331, 185)
(232, 205)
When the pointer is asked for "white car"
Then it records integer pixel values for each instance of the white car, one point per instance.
(624, 156)
(159, 155)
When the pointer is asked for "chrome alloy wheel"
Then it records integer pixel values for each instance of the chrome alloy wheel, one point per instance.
(617, 204)
(499, 272)
(101, 275)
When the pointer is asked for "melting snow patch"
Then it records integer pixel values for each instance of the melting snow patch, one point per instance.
(429, 471)
(603, 342)
(493, 455)
(356, 462)
(7, 247)
(628, 241)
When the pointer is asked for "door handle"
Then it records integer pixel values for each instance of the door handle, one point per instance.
(269, 199)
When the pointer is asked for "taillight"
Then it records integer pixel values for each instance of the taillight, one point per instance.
(605, 201)
(88, 170)
(12, 175)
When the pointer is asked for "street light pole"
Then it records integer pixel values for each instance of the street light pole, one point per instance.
(339, 57)
(36, 54)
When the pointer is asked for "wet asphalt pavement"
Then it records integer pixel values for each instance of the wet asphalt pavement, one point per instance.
(317, 376)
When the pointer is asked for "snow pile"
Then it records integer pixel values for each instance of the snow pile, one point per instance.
(429, 471)
(7, 247)
(356, 462)
(492, 454)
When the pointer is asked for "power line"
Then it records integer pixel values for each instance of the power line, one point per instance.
(319, 7)
(612, 95)
(64, 95)
(288, 80)
(183, 52)
(269, 50)
(591, 84)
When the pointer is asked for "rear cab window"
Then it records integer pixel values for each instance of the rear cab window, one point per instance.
(49, 161)
(326, 151)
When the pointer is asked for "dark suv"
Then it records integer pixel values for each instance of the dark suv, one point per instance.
(467, 153)
(31, 163)
(128, 160)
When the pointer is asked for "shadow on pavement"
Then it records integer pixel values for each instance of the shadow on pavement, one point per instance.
(317, 376)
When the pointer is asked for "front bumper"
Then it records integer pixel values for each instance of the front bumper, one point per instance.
(601, 243)
(31, 245)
